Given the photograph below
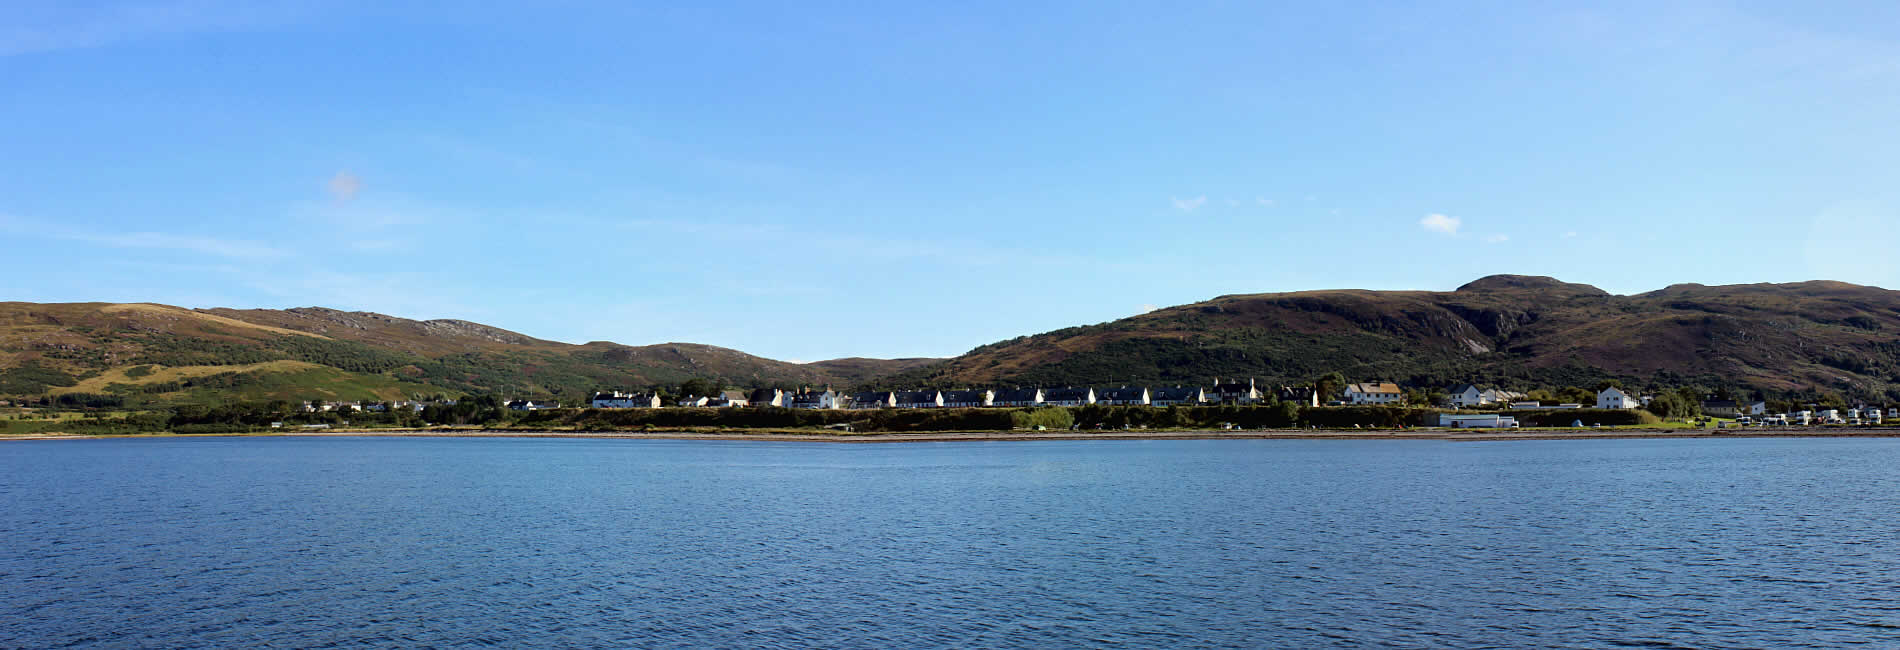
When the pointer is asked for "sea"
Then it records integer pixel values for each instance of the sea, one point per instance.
(320, 542)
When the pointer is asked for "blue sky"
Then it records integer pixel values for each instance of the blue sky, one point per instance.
(817, 180)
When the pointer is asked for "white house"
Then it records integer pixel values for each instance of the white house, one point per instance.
(692, 401)
(619, 400)
(1069, 396)
(968, 399)
(1615, 398)
(1758, 408)
(1374, 393)
(1018, 397)
(1466, 396)
(533, 405)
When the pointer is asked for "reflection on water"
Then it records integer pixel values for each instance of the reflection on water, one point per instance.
(408, 542)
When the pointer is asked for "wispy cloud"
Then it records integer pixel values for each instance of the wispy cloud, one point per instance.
(344, 186)
(1570, 235)
(1147, 308)
(40, 26)
(1440, 223)
(232, 248)
(1189, 205)
(1496, 239)
(1265, 203)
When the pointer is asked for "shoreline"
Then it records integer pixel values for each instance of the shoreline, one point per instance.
(1443, 435)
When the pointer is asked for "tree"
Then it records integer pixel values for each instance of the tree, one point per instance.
(1575, 395)
(1285, 415)
(1608, 384)
(697, 387)
(1329, 385)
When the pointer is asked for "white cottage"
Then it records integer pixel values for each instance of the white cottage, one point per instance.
(1615, 398)
(1374, 393)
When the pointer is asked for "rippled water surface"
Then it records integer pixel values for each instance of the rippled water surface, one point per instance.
(504, 542)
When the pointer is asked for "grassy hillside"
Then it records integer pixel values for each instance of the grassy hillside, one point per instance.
(1518, 332)
(183, 355)
(1513, 330)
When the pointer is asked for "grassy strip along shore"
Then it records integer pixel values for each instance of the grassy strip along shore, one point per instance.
(263, 418)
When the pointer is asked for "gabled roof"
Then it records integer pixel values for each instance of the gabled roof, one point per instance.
(963, 396)
(1123, 394)
(873, 396)
(1176, 394)
(917, 396)
(1017, 395)
(1381, 388)
(1065, 394)
(1463, 388)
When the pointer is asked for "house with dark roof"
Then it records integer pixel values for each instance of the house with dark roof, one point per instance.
(1723, 408)
(1018, 397)
(968, 399)
(919, 399)
(728, 399)
(874, 400)
(1068, 396)
(533, 404)
(1301, 395)
(769, 397)
(1233, 393)
(1123, 396)
(1177, 396)
(816, 400)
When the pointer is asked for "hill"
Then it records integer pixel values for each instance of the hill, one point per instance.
(148, 353)
(1514, 330)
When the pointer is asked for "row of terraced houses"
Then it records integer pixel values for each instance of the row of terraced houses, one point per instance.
(1221, 393)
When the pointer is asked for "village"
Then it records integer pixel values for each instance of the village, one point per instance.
(1496, 405)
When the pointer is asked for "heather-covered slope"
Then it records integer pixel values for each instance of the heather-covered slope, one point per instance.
(1511, 329)
(158, 353)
